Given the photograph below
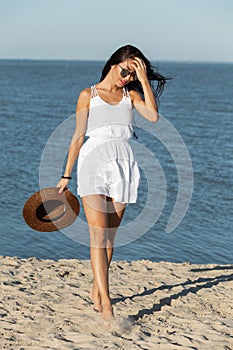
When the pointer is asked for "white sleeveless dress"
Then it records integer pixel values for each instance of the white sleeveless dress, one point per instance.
(106, 163)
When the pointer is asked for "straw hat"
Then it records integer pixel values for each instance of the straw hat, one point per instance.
(47, 211)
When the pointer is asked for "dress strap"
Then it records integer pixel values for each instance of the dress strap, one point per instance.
(94, 92)
(126, 92)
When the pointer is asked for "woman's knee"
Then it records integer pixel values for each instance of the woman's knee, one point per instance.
(98, 236)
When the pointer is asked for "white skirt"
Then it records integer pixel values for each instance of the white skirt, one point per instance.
(108, 166)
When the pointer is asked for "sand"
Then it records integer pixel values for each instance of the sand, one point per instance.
(45, 305)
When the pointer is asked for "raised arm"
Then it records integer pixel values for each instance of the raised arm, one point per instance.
(148, 107)
(82, 109)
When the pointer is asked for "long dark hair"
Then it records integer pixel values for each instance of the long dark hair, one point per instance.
(129, 52)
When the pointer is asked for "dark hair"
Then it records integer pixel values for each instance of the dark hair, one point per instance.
(129, 51)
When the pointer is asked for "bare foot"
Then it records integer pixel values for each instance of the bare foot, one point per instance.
(107, 311)
(95, 298)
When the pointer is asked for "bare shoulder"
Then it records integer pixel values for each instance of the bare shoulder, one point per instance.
(85, 93)
(135, 96)
(84, 98)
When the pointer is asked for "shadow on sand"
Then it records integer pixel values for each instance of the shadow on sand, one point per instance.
(194, 287)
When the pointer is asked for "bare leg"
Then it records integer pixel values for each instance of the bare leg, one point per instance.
(115, 215)
(103, 223)
(95, 210)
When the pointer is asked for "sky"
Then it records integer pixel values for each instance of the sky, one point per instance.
(170, 30)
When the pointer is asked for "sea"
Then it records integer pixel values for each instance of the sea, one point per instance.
(186, 162)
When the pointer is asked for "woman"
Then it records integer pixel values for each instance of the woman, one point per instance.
(108, 174)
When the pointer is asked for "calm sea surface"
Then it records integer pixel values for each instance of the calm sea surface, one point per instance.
(37, 96)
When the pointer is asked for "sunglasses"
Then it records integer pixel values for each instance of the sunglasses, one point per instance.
(125, 72)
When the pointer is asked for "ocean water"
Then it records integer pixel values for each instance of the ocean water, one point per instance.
(37, 96)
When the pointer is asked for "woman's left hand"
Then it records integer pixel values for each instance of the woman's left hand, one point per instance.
(140, 69)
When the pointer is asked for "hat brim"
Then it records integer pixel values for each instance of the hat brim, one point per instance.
(47, 211)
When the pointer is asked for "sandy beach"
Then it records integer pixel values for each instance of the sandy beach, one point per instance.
(45, 305)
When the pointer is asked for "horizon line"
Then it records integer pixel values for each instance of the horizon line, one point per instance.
(102, 60)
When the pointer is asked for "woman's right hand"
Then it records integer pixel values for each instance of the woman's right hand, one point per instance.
(62, 184)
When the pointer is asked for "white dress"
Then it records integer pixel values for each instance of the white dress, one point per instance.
(106, 163)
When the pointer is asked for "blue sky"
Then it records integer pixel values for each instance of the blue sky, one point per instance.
(198, 30)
